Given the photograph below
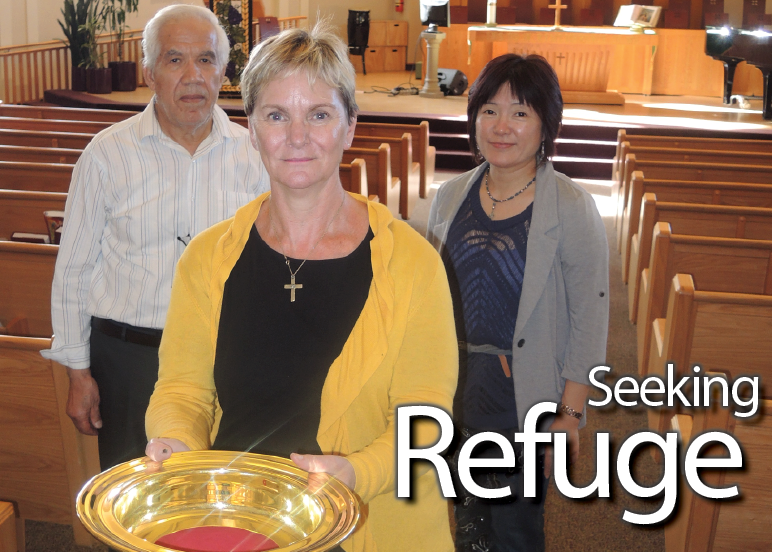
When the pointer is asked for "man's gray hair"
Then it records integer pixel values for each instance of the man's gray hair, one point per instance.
(319, 52)
(176, 12)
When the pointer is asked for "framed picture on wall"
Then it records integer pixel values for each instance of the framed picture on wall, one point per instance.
(235, 16)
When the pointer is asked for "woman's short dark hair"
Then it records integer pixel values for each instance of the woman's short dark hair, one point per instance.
(533, 81)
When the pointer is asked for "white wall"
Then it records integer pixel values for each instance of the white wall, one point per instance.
(12, 11)
(27, 21)
(39, 17)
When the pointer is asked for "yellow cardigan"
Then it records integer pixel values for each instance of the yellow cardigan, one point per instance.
(402, 350)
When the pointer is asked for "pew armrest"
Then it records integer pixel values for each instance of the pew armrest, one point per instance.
(682, 424)
(8, 537)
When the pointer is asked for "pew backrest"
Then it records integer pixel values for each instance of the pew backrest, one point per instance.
(25, 285)
(726, 525)
(53, 125)
(25, 154)
(689, 142)
(378, 164)
(64, 113)
(686, 142)
(689, 155)
(719, 331)
(715, 264)
(683, 191)
(353, 177)
(22, 211)
(402, 166)
(680, 170)
(423, 153)
(44, 461)
(45, 139)
(720, 221)
(36, 177)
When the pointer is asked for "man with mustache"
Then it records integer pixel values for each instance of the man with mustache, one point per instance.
(140, 191)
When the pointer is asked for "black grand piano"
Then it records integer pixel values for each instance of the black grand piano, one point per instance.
(731, 46)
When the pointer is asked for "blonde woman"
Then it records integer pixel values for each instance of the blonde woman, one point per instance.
(298, 326)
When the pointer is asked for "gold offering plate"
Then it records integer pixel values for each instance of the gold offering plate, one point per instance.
(130, 506)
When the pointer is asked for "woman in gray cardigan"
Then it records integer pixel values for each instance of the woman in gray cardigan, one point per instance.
(527, 259)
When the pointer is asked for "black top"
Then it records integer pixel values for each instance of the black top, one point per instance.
(485, 261)
(272, 354)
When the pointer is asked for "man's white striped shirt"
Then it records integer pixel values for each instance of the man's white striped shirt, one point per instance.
(136, 199)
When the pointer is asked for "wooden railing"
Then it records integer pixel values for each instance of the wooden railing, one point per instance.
(27, 70)
(284, 23)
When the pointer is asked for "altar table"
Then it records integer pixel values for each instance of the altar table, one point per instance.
(581, 56)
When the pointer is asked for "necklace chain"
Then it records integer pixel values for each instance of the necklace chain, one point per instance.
(292, 286)
(513, 196)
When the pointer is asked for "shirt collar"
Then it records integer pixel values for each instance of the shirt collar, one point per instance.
(221, 126)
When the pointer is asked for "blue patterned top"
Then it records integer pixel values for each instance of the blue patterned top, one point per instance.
(485, 260)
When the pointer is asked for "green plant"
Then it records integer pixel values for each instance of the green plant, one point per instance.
(117, 18)
(96, 23)
(74, 18)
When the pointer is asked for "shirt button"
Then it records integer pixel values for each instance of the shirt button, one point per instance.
(602, 294)
(521, 343)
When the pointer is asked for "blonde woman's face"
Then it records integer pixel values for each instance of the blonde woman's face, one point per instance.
(300, 131)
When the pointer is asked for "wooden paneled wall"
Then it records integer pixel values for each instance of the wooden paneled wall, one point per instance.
(680, 64)
(610, 8)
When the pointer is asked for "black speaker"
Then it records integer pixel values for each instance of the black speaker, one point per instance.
(452, 81)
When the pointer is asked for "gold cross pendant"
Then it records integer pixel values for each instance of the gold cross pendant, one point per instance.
(292, 286)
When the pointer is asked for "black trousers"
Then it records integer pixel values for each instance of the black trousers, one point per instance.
(126, 374)
(513, 524)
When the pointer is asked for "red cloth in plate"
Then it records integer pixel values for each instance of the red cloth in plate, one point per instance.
(217, 539)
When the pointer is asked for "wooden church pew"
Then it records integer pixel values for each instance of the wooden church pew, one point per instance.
(676, 170)
(44, 461)
(702, 524)
(715, 264)
(353, 176)
(673, 171)
(45, 139)
(683, 191)
(22, 211)
(693, 155)
(423, 153)
(53, 125)
(720, 221)
(64, 113)
(685, 142)
(402, 166)
(719, 331)
(25, 285)
(26, 154)
(379, 179)
(685, 155)
(37, 177)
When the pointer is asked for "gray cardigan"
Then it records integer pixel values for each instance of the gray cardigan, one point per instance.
(562, 321)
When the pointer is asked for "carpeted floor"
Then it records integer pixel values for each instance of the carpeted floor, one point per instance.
(584, 525)
(571, 525)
